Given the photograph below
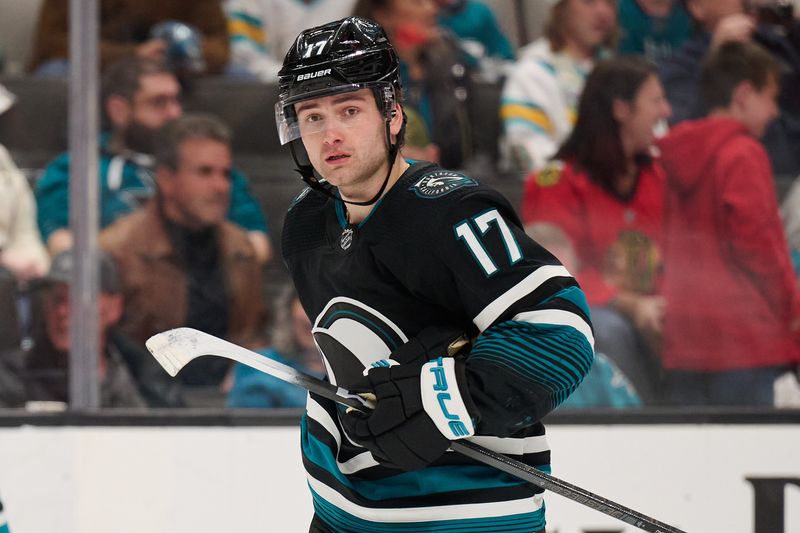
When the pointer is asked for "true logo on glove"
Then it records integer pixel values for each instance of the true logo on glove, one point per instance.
(455, 424)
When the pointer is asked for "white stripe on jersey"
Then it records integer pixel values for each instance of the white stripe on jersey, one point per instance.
(427, 514)
(354, 464)
(558, 317)
(507, 445)
(512, 446)
(532, 282)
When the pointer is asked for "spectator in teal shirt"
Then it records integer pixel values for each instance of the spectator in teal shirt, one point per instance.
(472, 20)
(139, 96)
(652, 28)
(605, 386)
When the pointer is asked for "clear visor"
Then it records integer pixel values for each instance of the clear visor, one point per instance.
(300, 117)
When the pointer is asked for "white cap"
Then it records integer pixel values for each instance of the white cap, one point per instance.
(7, 99)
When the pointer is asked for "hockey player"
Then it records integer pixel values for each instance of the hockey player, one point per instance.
(396, 262)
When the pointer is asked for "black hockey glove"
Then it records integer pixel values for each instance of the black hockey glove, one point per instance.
(418, 412)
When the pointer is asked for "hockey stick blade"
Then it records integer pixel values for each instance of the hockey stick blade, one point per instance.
(175, 348)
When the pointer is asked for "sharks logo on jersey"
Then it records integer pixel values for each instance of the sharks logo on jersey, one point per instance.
(351, 337)
(441, 182)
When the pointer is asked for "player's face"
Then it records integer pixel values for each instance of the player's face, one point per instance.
(590, 22)
(639, 118)
(759, 107)
(197, 193)
(345, 138)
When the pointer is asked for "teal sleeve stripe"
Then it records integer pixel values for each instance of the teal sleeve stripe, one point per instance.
(526, 123)
(561, 347)
(568, 344)
(573, 295)
(531, 364)
(555, 356)
(247, 19)
(434, 480)
(238, 38)
(531, 373)
(343, 521)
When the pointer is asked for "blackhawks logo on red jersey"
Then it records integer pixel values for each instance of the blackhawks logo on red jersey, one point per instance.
(550, 175)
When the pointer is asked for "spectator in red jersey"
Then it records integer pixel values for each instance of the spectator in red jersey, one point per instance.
(730, 323)
(604, 191)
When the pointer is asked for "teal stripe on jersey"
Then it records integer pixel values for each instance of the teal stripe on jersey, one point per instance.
(573, 295)
(554, 357)
(536, 371)
(433, 480)
(547, 66)
(345, 522)
(544, 353)
(247, 19)
(527, 123)
(248, 40)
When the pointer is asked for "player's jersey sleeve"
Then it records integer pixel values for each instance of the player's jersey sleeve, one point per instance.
(535, 343)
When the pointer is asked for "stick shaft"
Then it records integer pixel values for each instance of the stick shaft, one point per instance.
(173, 349)
(513, 467)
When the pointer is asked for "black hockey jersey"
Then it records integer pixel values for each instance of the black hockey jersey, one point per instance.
(439, 249)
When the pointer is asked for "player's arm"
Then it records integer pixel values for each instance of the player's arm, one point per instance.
(535, 342)
(534, 348)
(522, 368)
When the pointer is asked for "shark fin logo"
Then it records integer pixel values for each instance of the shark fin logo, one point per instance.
(439, 183)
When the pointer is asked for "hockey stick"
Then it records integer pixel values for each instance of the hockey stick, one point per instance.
(174, 348)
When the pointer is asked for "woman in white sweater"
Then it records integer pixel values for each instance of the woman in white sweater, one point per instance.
(21, 248)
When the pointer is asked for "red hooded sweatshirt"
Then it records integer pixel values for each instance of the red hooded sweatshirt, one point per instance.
(728, 280)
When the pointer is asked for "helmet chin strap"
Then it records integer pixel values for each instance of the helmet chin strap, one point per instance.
(306, 171)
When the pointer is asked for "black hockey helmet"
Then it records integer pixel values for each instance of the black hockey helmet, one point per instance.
(342, 56)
